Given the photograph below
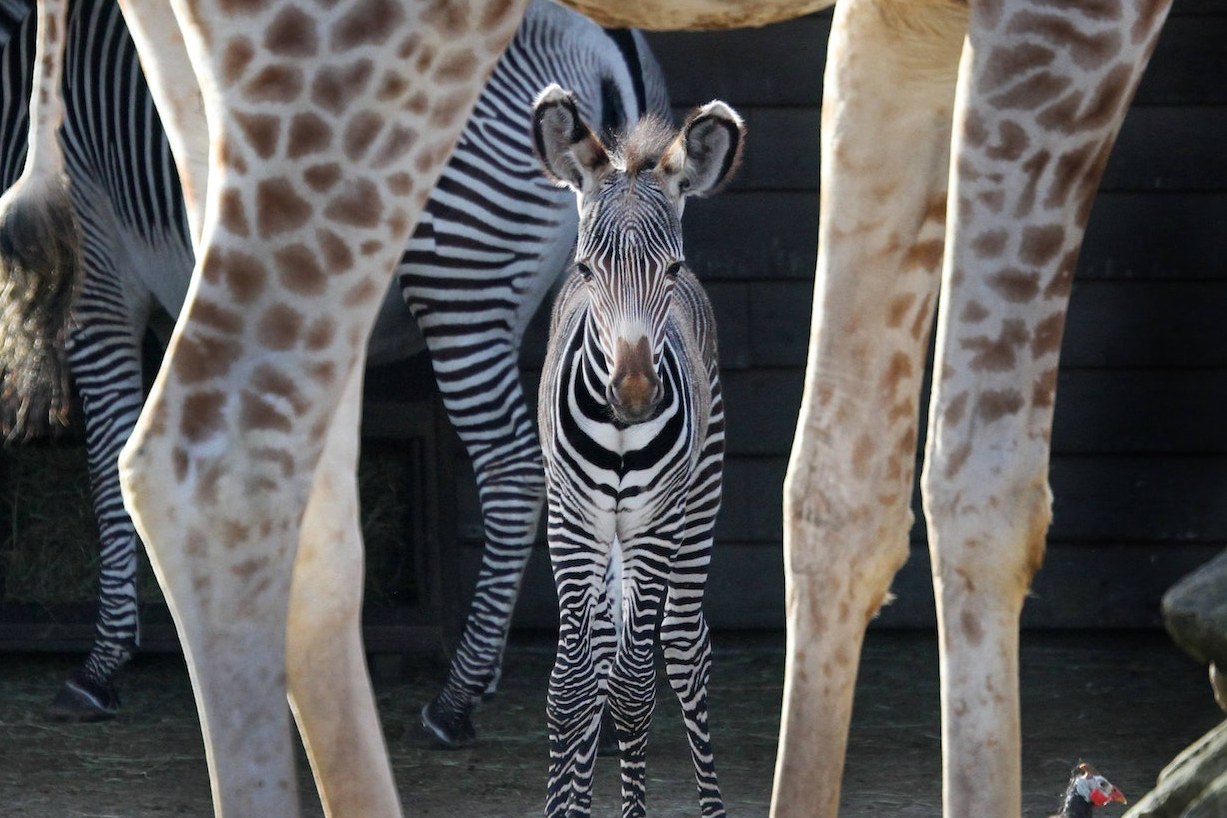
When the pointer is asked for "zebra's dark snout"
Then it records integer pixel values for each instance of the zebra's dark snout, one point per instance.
(634, 389)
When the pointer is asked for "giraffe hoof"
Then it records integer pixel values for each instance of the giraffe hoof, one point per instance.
(84, 700)
(446, 731)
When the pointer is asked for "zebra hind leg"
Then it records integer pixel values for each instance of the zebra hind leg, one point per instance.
(511, 487)
(105, 355)
(89, 694)
(511, 505)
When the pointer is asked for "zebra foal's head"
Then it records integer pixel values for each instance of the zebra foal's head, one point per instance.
(629, 249)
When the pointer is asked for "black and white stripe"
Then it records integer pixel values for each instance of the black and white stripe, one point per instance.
(492, 241)
(630, 479)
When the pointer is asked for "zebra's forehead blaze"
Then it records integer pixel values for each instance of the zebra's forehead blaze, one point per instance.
(630, 223)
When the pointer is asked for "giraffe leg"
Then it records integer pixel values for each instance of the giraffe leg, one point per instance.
(166, 65)
(329, 686)
(306, 215)
(1028, 165)
(891, 74)
(223, 551)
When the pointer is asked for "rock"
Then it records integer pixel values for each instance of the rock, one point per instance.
(1212, 803)
(1195, 612)
(1218, 681)
(1198, 776)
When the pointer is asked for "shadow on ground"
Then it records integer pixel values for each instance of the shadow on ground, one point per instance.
(1126, 702)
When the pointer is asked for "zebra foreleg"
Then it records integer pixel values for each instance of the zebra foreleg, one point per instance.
(632, 685)
(687, 648)
(576, 697)
(578, 681)
(684, 635)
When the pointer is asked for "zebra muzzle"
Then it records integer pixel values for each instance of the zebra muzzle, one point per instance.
(634, 389)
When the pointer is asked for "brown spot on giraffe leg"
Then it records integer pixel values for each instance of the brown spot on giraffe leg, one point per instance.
(200, 358)
(309, 133)
(237, 57)
(369, 22)
(202, 415)
(994, 404)
(279, 327)
(358, 204)
(292, 33)
(299, 270)
(334, 86)
(280, 208)
(360, 133)
(262, 132)
(997, 354)
(275, 83)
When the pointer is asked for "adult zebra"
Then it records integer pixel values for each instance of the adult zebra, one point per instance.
(632, 427)
(492, 240)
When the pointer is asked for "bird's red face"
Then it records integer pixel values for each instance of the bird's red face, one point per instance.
(1097, 789)
(1108, 794)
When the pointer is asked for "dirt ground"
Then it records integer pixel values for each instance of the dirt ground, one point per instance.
(1126, 702)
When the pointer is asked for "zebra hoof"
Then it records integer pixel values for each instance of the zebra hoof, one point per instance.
(450, 733)
(84, 700)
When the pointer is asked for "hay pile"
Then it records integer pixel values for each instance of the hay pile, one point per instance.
(49, 539)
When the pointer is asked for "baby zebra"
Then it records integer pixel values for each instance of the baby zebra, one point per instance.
(632, 427)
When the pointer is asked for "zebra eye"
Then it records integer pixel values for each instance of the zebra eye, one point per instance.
(584, 270)
(674, 269)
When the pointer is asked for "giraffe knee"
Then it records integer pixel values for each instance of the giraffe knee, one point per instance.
(989, 532)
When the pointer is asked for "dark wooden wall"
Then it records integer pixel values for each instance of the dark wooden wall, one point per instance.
(1139, 469)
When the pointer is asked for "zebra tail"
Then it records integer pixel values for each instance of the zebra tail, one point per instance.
(40, 268)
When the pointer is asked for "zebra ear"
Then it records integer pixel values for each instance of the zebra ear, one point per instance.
(706, 153)
(571, 153)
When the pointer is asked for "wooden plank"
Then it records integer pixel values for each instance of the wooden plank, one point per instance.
(1103, 500)
(1152, 235)
(761, 410)
(779, 323)
(1168, 148)
(1189, 53)
(749, 235)
(1172, 148)
(731, 303)
(787, 63)
(1108, 412)
(1079, 586)
(71, 628)
(789, 59)
(1171, 411)
(752, 235)
(1146, 324)
(1111, 324)
(1138, 499)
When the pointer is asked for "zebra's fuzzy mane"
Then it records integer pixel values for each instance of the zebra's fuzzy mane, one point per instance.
(642, 148)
